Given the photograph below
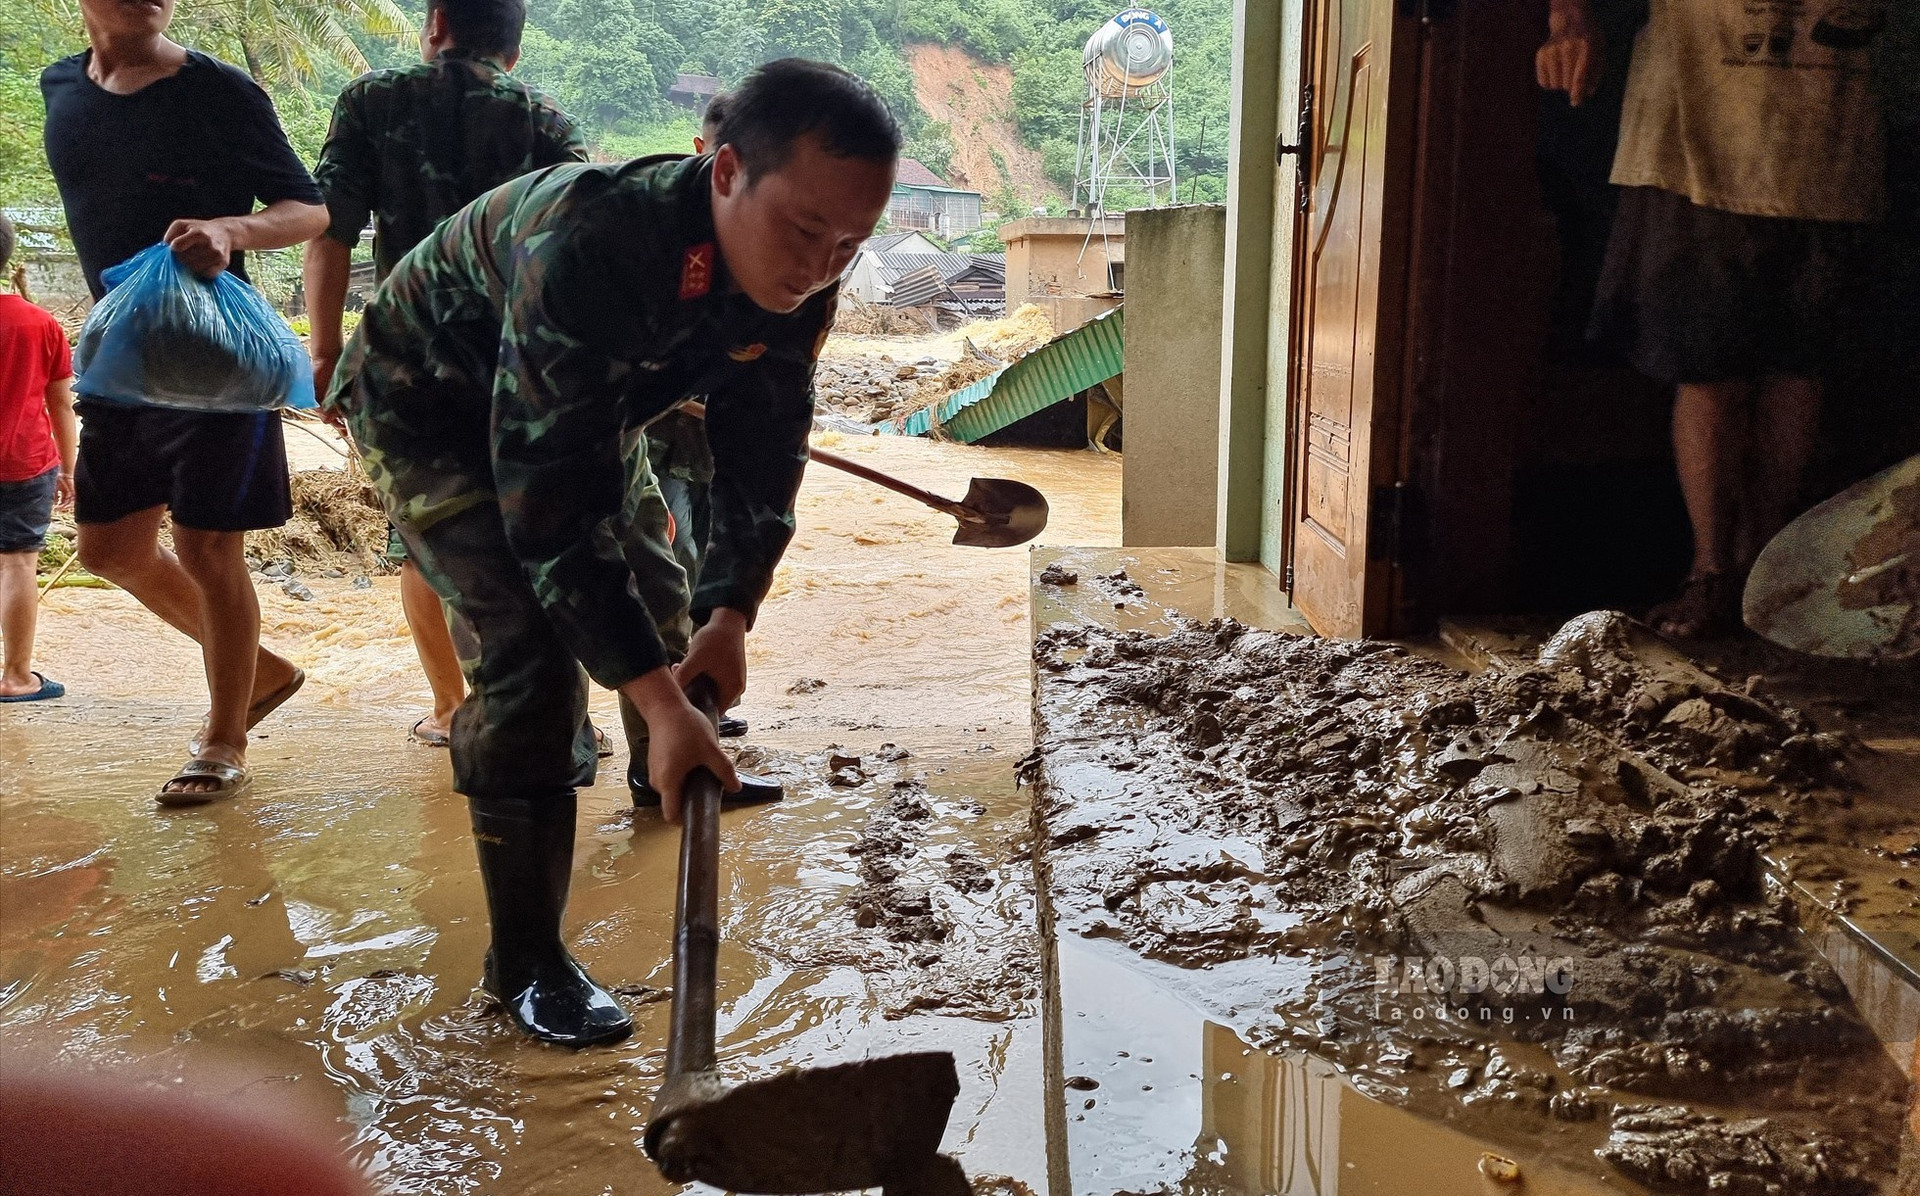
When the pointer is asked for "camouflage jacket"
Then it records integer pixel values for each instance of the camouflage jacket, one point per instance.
(413, 145)
(538, 327)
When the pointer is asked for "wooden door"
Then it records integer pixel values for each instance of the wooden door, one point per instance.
(1355, 157)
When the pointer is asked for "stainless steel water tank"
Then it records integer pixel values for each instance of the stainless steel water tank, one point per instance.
(1128, 53)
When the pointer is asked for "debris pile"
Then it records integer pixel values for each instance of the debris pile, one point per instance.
(873, 387)
(858, 318)
(1536, 892)
(337, 527)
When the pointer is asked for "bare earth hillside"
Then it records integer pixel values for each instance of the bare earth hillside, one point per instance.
(976, 101)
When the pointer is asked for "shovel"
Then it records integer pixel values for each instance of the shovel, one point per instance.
(876, 1123)
(996, 513)
(1843, 579)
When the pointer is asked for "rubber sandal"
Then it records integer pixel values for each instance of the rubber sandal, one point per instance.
(731, 727)
(602, 745)
(278, 698)
(233, 781)
(754, 790)
(257, 712)
(432, 739)
(48, 691)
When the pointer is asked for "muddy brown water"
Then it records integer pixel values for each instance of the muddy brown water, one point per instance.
(322, 938)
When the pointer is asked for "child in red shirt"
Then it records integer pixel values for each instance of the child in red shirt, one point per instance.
(38, 437)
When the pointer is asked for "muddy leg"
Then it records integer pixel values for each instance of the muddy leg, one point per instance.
(427, 621)
(127, 553)
(1786, 420)
(1707, 419)
(19, 613)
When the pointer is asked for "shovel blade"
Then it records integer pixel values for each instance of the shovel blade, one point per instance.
(872, 1124)
(1011, 513)
(1843, 580)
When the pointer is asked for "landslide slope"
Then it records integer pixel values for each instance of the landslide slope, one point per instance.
(975, 101)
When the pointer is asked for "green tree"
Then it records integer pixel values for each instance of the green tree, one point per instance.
(801, 29)
(288, 42)
(606, 61)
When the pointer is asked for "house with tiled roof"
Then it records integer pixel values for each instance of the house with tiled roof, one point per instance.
(923, 201)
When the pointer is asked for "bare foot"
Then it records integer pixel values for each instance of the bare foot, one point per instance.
(1708, 605)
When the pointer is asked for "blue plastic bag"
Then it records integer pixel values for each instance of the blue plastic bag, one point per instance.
(165, 337)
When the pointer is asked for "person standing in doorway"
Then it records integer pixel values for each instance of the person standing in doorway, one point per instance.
(150, 141)
(1751, 159)
(38, 440)
(409, 147)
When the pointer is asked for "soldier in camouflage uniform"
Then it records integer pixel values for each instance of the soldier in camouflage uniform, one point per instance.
(409, 147)
(499, 384)
(682, 463)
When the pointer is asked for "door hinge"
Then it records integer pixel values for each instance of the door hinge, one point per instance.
(1392, 523)
(1286, 579)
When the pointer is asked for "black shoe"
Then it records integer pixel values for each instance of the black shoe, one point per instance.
(526, 862)
(731, 727)
(754, 790)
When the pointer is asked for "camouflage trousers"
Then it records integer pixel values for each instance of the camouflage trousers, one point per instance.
(522, 731)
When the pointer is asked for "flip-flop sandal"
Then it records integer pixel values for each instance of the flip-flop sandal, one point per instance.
(435, 739)
(232, 782)
(278, 698)
(257, 712)
(602, 745)
(48, 690)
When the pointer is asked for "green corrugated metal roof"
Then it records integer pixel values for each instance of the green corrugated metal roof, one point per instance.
(1056, 371)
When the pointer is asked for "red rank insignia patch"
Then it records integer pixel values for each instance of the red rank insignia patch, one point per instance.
(747, 353)
(696, 271)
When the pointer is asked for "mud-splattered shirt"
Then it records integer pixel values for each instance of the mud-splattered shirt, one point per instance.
(510, 352)
(1763, 107)
(410, 146)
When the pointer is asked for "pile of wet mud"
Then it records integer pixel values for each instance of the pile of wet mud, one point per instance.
(939, 918)
(337, 526)
(1533, 897)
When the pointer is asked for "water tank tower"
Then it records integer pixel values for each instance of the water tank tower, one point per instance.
(1126, 121)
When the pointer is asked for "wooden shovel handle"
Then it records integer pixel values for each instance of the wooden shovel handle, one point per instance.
(847, 465)
(696, 932)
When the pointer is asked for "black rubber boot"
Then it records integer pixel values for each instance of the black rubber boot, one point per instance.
(754, 790)
(526, 861)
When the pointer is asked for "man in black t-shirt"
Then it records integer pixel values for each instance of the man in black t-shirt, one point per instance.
(150, 141)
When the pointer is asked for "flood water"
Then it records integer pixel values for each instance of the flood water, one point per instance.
(322, 937)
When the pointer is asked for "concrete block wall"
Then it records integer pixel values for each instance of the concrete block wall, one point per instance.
(1176, 266)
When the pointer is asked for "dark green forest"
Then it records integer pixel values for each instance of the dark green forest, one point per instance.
(610, 62)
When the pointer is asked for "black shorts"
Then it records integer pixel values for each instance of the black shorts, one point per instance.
(26, 511)
(1694, 294)
(216, 472)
